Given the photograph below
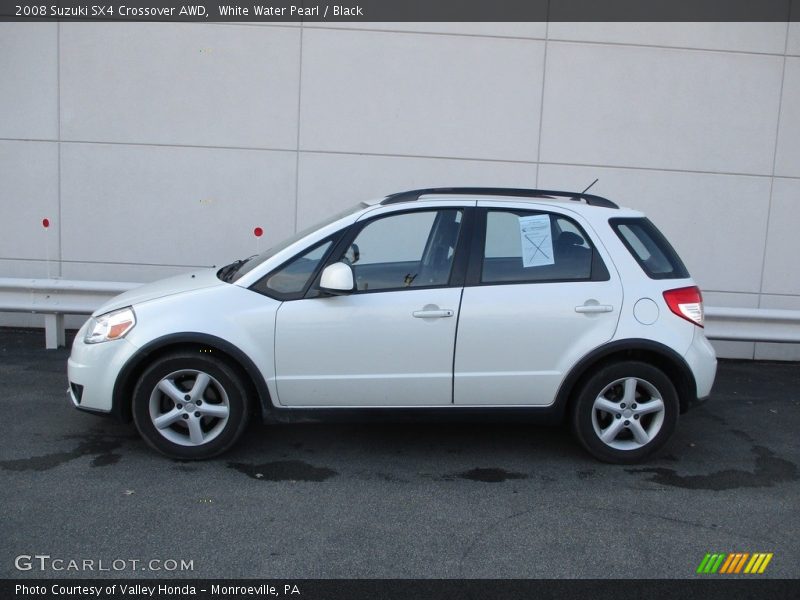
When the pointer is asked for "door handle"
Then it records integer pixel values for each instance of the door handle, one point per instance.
(594, 308)
(432, 314)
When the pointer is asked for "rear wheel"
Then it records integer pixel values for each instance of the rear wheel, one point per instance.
(190, 406)
(625, 412)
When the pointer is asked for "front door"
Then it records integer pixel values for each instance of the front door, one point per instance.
(391, 341)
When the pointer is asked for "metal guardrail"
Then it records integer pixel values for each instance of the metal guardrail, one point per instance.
(55, 298)
(752, 324)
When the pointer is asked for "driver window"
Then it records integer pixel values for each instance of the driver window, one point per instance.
(407, 250)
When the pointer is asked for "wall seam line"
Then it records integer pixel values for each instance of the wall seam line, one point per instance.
(774, 166)
(772, 176)
(58, 143)
(297, 142)
(413, 156)
(524, 38)
(541, 97)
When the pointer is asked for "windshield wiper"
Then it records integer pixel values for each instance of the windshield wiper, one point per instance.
(228, 272)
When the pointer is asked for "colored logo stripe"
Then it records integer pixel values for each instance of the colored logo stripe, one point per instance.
(711, 563)
(729, 562)
(734, 562)
(758, 563)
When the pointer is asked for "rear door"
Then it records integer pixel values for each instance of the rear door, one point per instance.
(540, 294)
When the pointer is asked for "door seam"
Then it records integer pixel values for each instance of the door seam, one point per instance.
(455, 347)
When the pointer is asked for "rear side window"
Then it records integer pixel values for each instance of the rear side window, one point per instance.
(532, 247)
(650, 248)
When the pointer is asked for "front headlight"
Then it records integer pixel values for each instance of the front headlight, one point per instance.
(110, 326)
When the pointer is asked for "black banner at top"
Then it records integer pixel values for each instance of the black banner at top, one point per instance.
(367, 11)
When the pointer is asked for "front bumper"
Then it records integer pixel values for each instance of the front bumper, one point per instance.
(92, 370)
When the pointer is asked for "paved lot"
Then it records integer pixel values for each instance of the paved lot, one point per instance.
(425, 500)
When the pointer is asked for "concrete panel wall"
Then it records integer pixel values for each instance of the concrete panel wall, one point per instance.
(29, 82)
(29, 193)
(329, 181)
(793, 40)
(154, 148)
(787, 160)
(781, 272)
(660, 108)
(793, 46)
(420, 95)
(732, 37)
(195, 85)
(193, 206)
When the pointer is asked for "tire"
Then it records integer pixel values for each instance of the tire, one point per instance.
(625, 412)
(182, 420)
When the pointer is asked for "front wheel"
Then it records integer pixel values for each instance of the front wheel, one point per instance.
(625, 412)
(190, 406)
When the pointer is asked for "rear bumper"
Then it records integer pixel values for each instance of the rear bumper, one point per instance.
(702, 360)
(695, 402)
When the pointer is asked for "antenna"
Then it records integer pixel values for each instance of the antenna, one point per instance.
(590, 185)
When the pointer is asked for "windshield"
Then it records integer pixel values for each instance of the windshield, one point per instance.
(238, 268)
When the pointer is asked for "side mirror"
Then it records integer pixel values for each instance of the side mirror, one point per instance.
(337, 279)
(352, 255)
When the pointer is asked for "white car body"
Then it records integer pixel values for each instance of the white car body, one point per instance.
(501, 346)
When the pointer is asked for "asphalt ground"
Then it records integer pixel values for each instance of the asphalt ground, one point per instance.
(396, 500)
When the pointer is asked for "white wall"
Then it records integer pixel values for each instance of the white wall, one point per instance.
(154, 148)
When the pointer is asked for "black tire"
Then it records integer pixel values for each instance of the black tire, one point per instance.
(225, 388)
(585, 416)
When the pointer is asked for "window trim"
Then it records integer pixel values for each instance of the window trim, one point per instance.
(679, 270)
(599, 271)
(460, 256)
(286, 297)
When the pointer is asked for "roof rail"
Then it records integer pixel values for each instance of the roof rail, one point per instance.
(413, 195)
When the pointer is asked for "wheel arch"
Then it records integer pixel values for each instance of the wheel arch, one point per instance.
(648, 351)
(201, 342)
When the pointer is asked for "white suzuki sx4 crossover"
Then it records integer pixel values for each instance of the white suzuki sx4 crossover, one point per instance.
(445, 301)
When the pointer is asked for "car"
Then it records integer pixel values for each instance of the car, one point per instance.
(441, 302)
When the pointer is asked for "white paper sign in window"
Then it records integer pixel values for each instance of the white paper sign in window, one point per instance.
(537, 241)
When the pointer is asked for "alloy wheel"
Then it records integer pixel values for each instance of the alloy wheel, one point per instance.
(628, 413)
(189, 407)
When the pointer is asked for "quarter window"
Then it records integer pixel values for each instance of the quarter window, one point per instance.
(650, 248)
(289, 281)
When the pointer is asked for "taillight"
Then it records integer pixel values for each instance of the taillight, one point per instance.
(686, 303)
